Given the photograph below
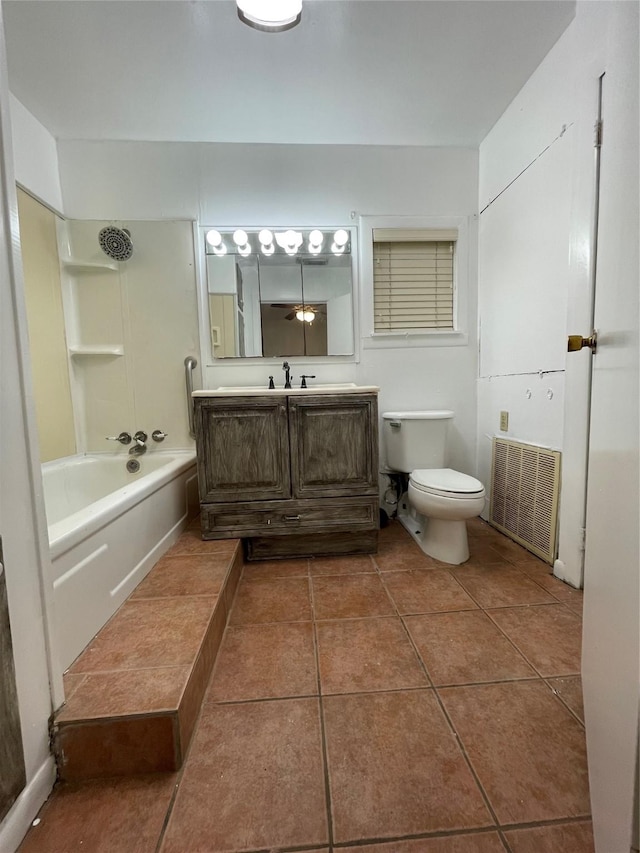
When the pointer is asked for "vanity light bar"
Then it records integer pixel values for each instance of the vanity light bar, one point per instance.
(268, 242)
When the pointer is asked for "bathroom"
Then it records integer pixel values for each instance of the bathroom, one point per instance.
(105, 181)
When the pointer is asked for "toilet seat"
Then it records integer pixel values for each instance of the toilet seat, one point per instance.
(446, 482)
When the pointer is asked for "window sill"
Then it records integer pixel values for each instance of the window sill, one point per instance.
(402, 340)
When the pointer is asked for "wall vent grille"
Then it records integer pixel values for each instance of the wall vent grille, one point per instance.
(525, 484)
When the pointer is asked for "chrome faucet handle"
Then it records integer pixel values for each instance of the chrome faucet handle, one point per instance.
(304, 377)
(140, 437)
(158, 435)
(123, 438)
(271, 385)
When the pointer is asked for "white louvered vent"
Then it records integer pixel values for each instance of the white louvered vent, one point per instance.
(524, 495)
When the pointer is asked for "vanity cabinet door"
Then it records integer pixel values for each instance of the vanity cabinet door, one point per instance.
(243, 448)
(334, 445)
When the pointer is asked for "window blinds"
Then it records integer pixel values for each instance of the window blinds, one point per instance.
(413, 279)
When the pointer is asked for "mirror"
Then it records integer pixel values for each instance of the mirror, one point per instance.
(277, 294)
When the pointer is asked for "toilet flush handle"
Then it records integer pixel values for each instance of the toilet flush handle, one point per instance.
(395, 424)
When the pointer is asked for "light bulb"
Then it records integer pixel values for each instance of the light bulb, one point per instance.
(341, 237)
(309, 316)
(270, 15)
(315, 238)
(214, 238)
(265, 237)
(244, 250)
(314, 250)
(300, 315)
(240, 237)
(220, 250)
(268, 249)
(337, 250)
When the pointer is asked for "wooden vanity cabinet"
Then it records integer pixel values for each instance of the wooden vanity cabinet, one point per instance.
(242, 448)
(291, 475)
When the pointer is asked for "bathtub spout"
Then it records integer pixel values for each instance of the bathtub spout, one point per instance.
(139, 447)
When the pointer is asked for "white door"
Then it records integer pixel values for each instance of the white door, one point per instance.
(610, 636)
(27, 766)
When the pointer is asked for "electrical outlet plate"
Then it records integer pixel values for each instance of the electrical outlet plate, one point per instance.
(504, 421)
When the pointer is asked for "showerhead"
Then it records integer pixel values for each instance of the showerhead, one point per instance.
(116, 243)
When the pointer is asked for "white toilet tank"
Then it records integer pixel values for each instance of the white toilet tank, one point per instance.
(415, 440)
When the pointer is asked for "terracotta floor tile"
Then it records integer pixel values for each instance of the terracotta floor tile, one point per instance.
(148, 633)
(550, 637)
(393, 763)
(394, 531)
(341, 565)
(103, 816)
(191, 542)
(265, 661)
(398, 555)
(562, 838)
(350, 596)
(124, 746)
(192, 575)
(465, 647)
(559, 589)
(280, 600)
(482, 553)
(570, 691)
(508, 548)
(367, 654)
(500, 586)
(528, 750)
(253, 780)
(475, 842)
(71, 683)
(531, 565)
(479, 527)
(272, 569)
(426, 592)
(136, 691)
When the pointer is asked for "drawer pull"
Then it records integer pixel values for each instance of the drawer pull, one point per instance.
(291, 517)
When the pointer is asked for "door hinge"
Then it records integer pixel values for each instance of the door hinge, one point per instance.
(582, 540)
(597, 142)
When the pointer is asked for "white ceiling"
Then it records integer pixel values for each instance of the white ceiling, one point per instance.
(377, 72)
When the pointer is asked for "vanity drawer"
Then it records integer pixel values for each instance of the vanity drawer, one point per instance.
(275, 518)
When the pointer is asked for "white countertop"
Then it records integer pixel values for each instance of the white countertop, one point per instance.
(260, 391)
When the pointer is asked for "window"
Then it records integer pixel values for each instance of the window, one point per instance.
(413, 279)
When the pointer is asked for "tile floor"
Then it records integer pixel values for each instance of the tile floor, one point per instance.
(382, 705)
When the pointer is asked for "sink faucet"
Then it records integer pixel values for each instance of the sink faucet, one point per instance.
(139, 447)
(287, 376)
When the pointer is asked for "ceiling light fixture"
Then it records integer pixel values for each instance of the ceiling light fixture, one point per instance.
(270, 16)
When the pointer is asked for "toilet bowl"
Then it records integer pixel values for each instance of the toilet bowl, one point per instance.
(439, 500)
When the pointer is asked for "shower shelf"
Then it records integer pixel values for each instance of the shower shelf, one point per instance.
(79, 266)
(98, 349)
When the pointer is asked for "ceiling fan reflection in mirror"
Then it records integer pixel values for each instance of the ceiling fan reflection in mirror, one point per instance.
(304, 313)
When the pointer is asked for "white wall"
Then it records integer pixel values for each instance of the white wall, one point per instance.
(35, 156)
(278, 185)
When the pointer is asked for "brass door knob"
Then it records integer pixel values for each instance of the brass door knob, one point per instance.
(577, 342)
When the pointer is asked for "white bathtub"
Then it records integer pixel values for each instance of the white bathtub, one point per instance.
(107, 528)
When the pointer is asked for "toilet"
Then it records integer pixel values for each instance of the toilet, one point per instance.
(439, 500)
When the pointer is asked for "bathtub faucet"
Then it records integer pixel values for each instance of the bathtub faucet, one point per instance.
(139, 447)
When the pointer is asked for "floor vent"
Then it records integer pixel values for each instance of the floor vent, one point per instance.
(525, 485)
